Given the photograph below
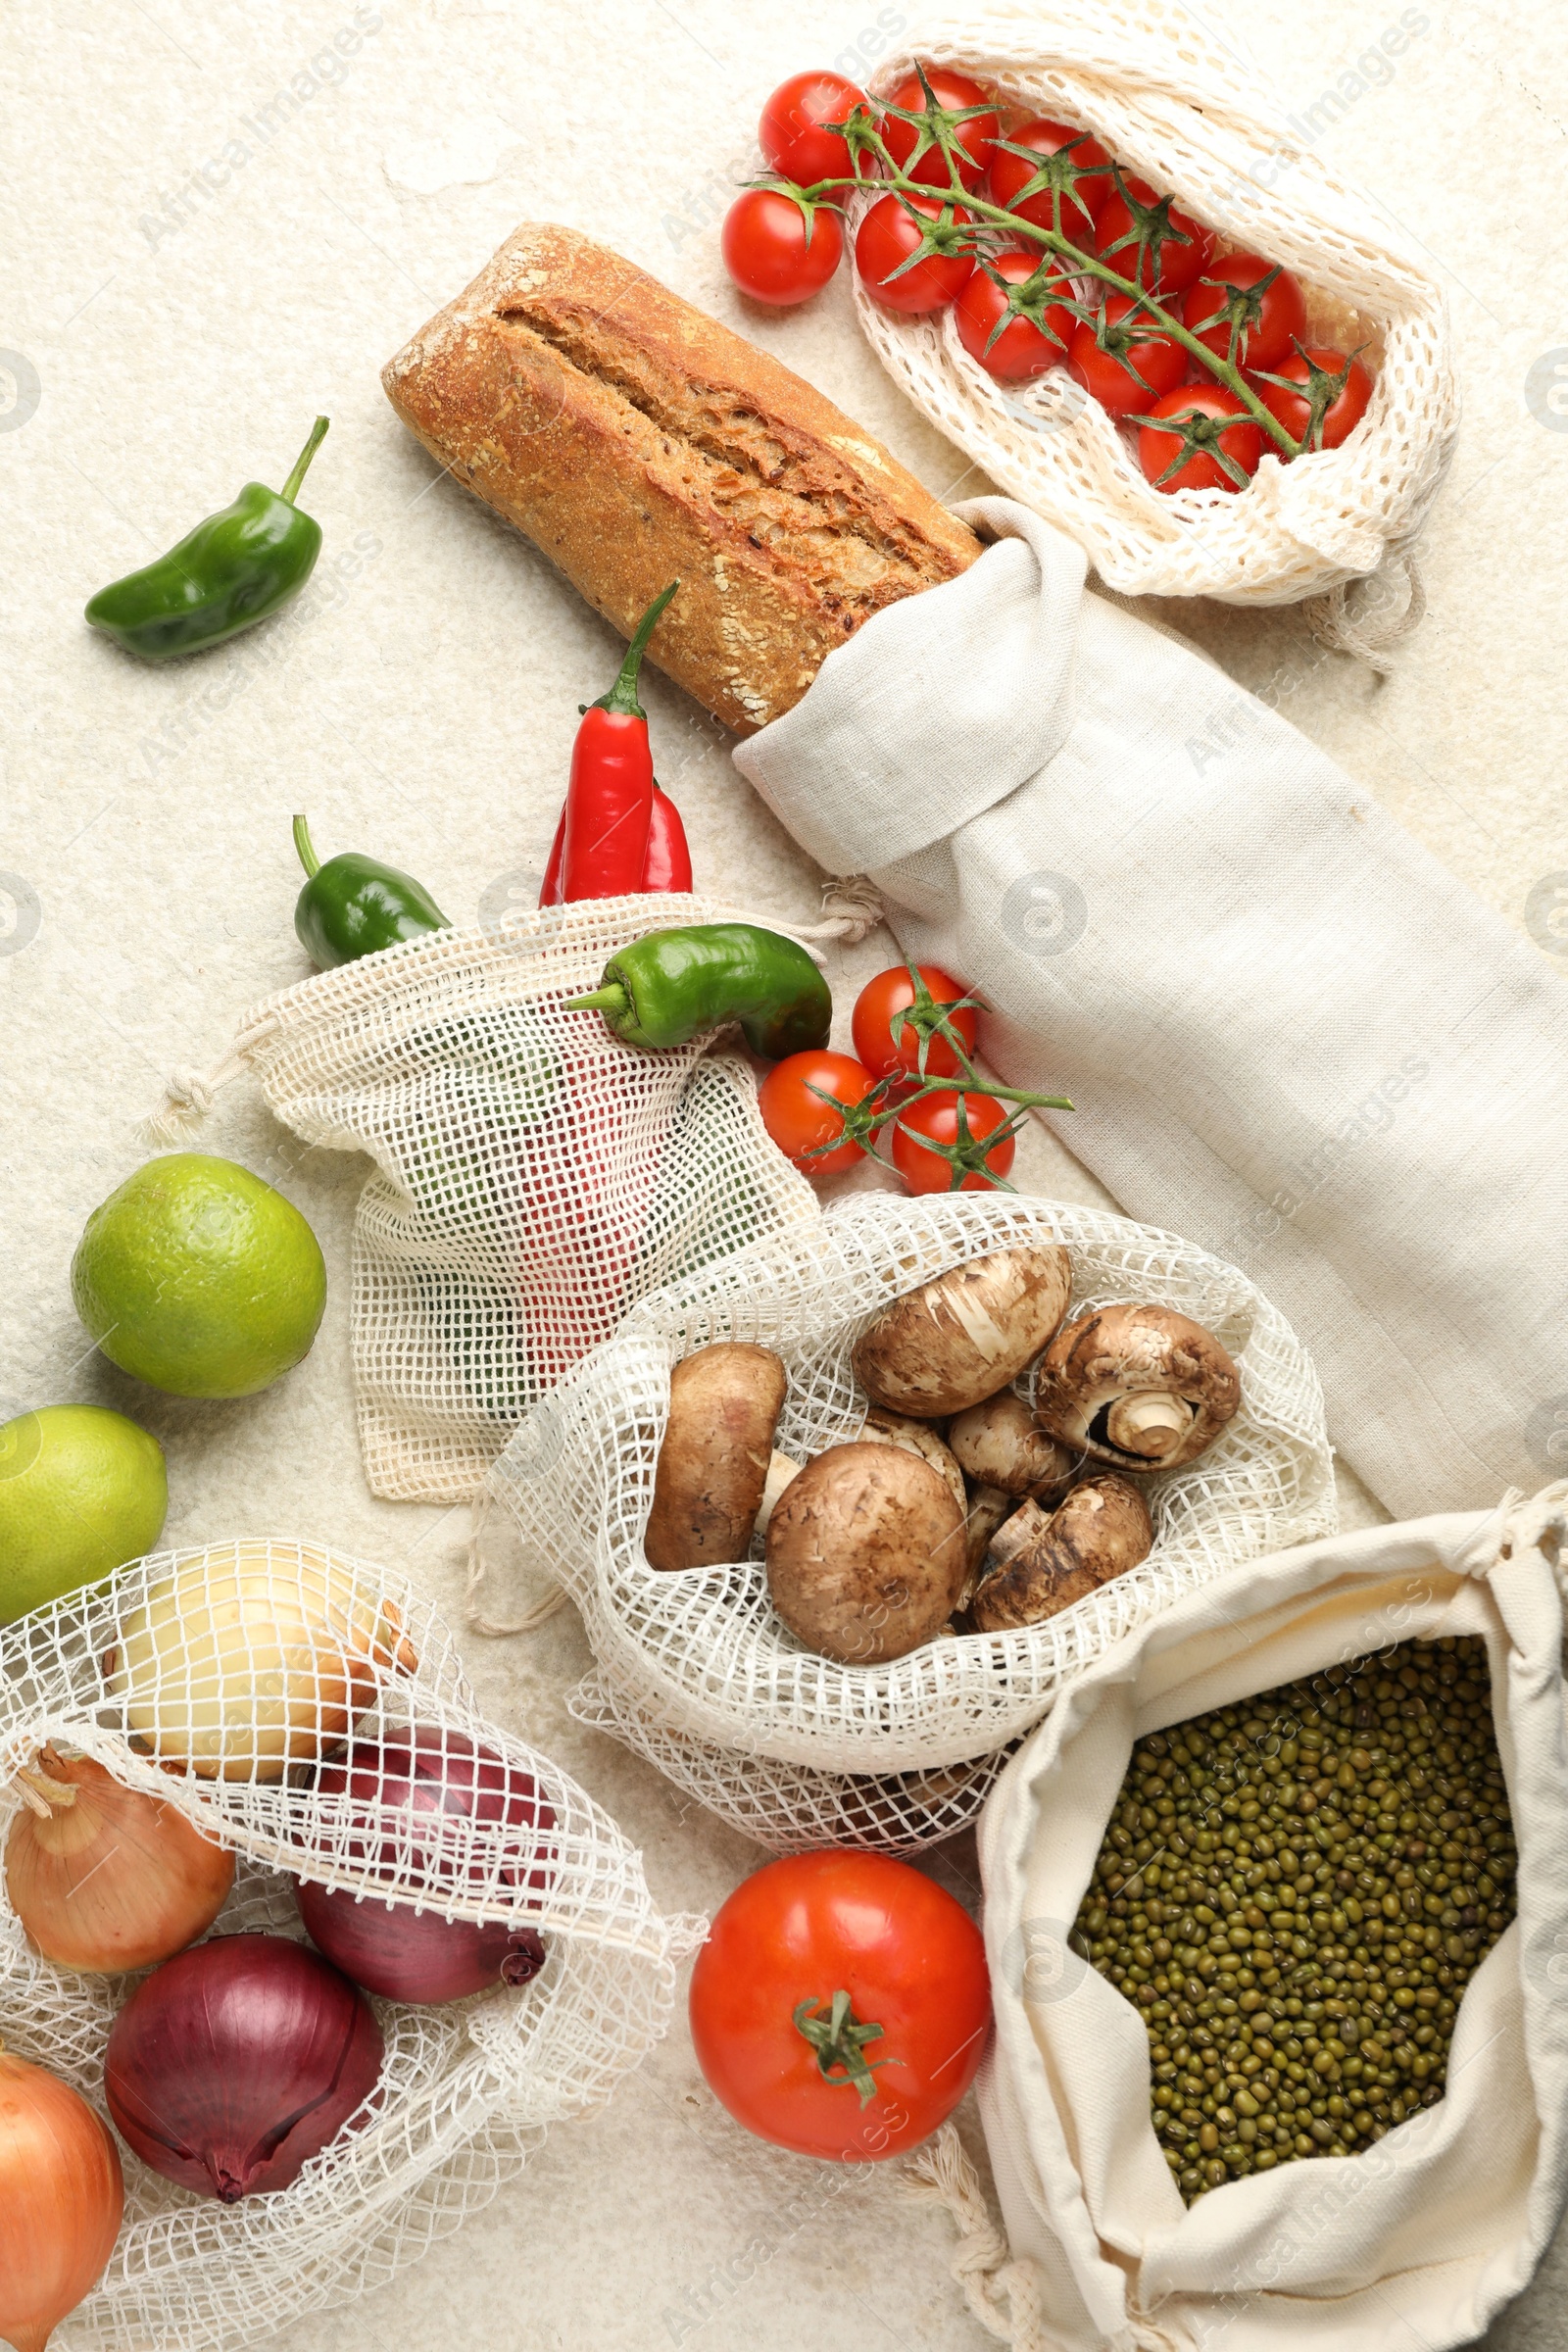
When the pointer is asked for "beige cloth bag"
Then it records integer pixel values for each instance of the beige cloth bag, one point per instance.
(1422, 2238)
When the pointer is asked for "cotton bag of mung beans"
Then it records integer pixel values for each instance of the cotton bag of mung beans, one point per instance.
(1277, 1918)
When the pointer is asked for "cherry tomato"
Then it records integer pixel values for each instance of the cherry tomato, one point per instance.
(1183, 256)
(1010, 172)
(974, 138)
(791, 135)
(936, 1118)
(1280, 311)
(1243, 443)
(891, 993)
(1342, 414)
(790, 1100)
(887, 236)
(1126, 371)
(1021, 350)
(766, 249)
(910, 1960)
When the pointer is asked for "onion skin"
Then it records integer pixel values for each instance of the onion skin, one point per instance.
(233, 2064)
(62, 2195)
(410, 1955)
(115, 1881)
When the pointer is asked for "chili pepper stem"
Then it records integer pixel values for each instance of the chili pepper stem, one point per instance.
(608, 1000)
(306, 847)
(290, 489)
(623, 696)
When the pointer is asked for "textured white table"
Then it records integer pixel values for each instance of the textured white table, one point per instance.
(218, 221)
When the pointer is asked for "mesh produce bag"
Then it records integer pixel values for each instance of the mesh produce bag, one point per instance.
(700, 1656)
(1171, 99)
(467, 2088)
(535, 1178)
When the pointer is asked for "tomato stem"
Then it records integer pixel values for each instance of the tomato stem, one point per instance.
(838, 2037)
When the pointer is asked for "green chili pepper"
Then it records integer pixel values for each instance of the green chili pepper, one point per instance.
(231, 572)
(351, 905)
(669, 986)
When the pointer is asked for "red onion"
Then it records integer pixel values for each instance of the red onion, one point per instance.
(393, 1785)
(235, 2062)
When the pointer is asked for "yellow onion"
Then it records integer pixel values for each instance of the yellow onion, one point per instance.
(248, 1657)
(61, 2198)
(103, 1877)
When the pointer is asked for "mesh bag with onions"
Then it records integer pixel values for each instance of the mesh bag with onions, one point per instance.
(210, 1679)
(694, 1667)
(534, 1177)
(1173, 102)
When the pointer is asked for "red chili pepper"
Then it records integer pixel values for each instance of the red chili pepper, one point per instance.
(610, 799)
(667, 864)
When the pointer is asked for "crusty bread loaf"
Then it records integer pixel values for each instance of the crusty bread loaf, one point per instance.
(638, 441)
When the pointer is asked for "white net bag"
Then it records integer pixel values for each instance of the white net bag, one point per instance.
(247, 1659)
(1170, 99)
(535, 1178)
(696, 1669)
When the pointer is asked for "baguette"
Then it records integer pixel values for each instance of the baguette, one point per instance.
(637, 441)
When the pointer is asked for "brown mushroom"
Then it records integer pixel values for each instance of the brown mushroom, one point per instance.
(998, 1443)
(1141, 1387)
(1100, 1532)
(724, 1406)
(865, 1553)
(988, 1510)
(883, 1427)
(963, 1336)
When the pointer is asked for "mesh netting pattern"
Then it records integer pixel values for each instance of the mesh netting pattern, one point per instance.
(694, 1662)
(1168, 98)
(467, 2088)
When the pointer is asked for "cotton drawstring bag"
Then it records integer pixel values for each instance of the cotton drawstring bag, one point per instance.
(1291, 1034)
(1425, 2235)
(141, 1671)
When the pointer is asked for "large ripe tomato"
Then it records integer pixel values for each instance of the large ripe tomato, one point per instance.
(1177, 250)
(885, 238)
(767, 253)
(1262, 325)
(791, 135)
(935, 1118)
(1293, 409)
(1125, 370)
(1017, 350)
(974, 138)
(790, 1939)
(1010, 172)
(800, 1121)
(1158, 452)
(883, 999)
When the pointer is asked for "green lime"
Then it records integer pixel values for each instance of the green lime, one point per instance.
(82, 1490)
(199, 1278)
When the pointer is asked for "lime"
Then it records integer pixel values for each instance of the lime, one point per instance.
(199, 1278)
(82, 1490)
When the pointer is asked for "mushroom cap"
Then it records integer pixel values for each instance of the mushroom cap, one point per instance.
(964, 1334)
(1000, 1444)
(1100, 1532)
(1182, 1384)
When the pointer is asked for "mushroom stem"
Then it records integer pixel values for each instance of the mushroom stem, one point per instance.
(1150, 1425)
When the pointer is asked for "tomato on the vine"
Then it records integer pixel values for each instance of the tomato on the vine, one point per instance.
(881, 1003)
(1200, 408)
(791, 1100)
(890, 233)
(1231, 303)
(1018, 349)
(1126, 364)
(769, 253)
(1147, 239)
(1010, 172)
(1344, 411)
(791, 134)
(935, 1120)
(973, 139)
(839, 2005)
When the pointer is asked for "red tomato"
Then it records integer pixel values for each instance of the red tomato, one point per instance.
(1178, 247)
(1266, 331)
(1021, 349)
(767, 253)
(880, 1003)
(1241, 443)
(974, 138)
(887, 236)
(1125, 369)
(909, 1957)
(1010, 172)
(936, 1118)
(1343, 413)
(800, 1121)
(791, 135)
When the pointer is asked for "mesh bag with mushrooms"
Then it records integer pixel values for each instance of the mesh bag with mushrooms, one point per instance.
(812, 1681)
(217, 1682)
